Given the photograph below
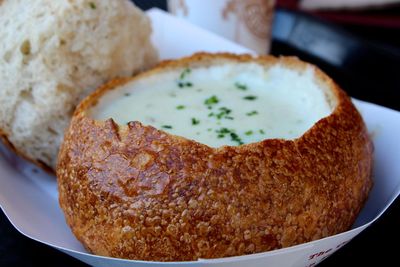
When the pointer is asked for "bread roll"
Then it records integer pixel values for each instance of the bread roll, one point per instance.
(140, 191)
(52, 54)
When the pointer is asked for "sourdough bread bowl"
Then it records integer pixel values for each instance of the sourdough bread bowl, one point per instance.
(136, 191)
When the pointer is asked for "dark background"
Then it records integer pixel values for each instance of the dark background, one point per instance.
(371, 73)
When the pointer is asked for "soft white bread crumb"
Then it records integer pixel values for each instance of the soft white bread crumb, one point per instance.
(52, 54)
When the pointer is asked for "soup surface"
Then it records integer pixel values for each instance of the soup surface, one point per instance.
(230, 104)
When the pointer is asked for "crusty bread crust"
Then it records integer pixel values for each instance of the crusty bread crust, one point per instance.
(9, 145)
(140, 193)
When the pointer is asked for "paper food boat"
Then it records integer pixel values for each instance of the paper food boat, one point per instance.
(29, 197)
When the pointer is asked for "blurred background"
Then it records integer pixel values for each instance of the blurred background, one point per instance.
(357, 43)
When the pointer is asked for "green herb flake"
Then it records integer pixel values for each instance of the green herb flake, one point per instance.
(252, 113)
(182, 82)
(223, 113)
(241, 86)
(211, 101)
(250, 97)
(248, 133)
(166, 126)
(221, 133)
(92, 5)
(261, 131)
(236, 138)
(225, 110)
(180, 107)
(184, 73)
(127, 94)
(195, 121)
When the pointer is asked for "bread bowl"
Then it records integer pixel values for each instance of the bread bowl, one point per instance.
(139, 192)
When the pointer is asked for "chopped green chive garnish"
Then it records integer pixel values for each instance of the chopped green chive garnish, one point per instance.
(248, 133)
(221, 133)
(252, 113)
(241, 86)
(127, 94)
(236, 138)
(223, 113)
(184, 73)
(166, 126)
(225, 110)
(211, 101)
(180, 107)
(195, 121)
(262, 131)
(250, 97)
(92, 5)
(181, 82)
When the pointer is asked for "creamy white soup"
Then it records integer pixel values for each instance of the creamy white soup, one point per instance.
(229, 104)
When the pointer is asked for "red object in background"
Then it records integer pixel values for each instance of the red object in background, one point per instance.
(386, 17)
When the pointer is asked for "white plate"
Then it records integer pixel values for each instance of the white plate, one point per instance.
(29, 197)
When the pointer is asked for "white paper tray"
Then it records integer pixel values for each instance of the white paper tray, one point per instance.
(29, 197)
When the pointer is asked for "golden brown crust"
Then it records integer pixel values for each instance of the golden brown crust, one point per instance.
(140, 193)
(4, 138)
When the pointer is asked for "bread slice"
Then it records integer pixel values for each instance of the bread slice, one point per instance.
(52, 54)
(139, 192)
